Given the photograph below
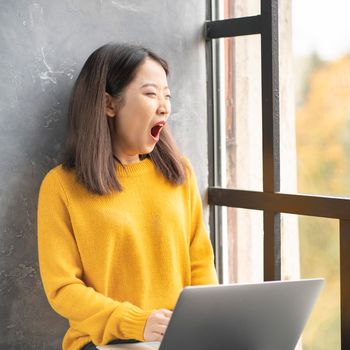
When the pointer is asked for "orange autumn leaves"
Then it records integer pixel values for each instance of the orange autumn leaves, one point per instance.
(323, 131)
(323, 148)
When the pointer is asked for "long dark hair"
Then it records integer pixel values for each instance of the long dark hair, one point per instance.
(88, 149)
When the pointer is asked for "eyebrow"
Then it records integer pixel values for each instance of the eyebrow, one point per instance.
(152, 84)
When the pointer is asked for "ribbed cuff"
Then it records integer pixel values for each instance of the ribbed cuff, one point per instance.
(133, 322)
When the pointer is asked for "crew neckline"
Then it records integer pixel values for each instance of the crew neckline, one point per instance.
(134, 169)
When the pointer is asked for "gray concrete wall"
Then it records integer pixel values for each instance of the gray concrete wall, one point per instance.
(43, 45)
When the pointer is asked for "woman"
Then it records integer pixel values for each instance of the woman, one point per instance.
(120, 223)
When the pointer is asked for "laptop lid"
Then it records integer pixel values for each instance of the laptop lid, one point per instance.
(259, 316)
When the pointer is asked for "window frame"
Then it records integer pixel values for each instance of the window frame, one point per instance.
(270, 200)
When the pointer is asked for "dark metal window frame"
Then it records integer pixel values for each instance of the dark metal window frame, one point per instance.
(271, 201)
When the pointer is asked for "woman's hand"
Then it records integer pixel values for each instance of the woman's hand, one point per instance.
(156, 325)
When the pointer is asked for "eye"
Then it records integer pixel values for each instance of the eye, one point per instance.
(168, 97)
(151, 94)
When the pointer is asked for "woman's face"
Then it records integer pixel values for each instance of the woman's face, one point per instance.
(146, 102)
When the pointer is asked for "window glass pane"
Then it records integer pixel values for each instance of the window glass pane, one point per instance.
(318, 257)
(242, 245)
(321, 80)
(239, 105)
(238, 8)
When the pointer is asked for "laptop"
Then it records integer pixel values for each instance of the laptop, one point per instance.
(254, 316)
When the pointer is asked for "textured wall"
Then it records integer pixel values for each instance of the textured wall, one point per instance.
(42, 47)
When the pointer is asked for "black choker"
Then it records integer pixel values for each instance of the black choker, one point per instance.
(141, 156)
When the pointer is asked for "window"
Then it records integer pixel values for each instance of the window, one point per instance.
(255, 207)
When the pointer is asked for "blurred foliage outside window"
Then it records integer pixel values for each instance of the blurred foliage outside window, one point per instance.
(323, 153)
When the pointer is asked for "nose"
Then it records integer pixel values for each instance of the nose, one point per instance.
(164, 107)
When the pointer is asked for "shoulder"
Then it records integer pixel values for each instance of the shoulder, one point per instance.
(57, 172)
(191, 178)
(187, 165)
(56, 177)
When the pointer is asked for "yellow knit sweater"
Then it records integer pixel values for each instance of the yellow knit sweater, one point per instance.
(107, 261)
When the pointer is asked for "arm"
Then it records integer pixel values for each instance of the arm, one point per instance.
(201, 251)
(88, 311)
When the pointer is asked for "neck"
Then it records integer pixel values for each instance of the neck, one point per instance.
(127, 160)
(141, 157)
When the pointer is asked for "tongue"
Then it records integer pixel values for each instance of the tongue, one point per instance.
(155, 130)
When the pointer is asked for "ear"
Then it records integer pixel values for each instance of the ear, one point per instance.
(110, 106)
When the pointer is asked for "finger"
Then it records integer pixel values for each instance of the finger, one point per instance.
(167, 312)
(163, 320)
(160, 329)
(157, 336)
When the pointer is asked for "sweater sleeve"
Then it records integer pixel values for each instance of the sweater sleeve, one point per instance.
(61, 270)
(201, 251)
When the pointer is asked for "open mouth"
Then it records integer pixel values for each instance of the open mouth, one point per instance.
(155, 131)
